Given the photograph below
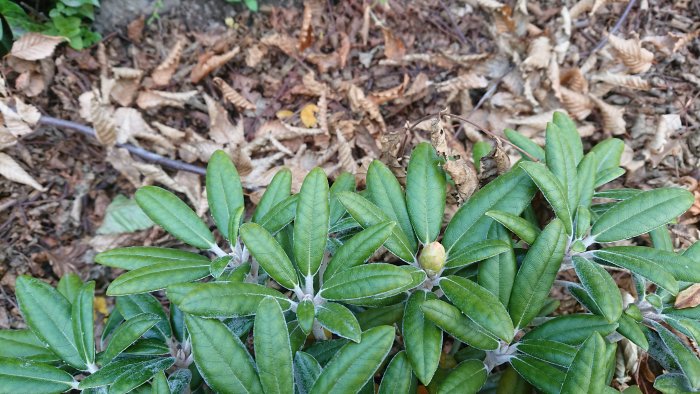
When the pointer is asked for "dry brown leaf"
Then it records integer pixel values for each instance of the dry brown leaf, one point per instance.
(35, 46)
(306, 34)
(438, 138)
(308, 115)
(345, 154)
(573, 79)
(254, 55)
(364, 31)
(688, 298)
(463, 82)
(128, 82)
(359, 103)
(284, 42)
(30, 83)
(130, 123)
(596, 5)
(613, 120)
(667, 125)
(577, 104)
(169, 132)
(538, 55)
(390, 94)
(102, 119)
(314, 86)
(344, 50)
(13, 121)
(580, 7)
(232, 96)
(210, 62)
(490, 4)
(623, 80)
(3, 87)
(127, 73)
(394, 48)
(220, 128)
(324, 62)
(495, 163)
(135, 29)
(537, 121)
(156, 98)
(672, 42)
(164, 72)
(14, 172)
(464, 176)
(636, 58)
(6, 138)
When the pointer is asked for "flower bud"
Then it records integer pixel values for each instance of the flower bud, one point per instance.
(432, 258)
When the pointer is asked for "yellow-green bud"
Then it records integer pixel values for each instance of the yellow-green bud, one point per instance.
(432, 258)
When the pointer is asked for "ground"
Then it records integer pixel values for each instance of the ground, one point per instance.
(331, 84)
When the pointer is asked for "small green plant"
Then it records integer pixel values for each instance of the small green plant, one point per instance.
(293, 303)
(251, 4)
(66, 18)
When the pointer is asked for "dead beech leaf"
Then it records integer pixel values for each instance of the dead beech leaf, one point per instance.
(283, 42)
(464, 176)
(577, 104)
(495, 163)
(613, 120)
(3, 87)
(688, 298)
(636, 58)
(390, 94)
(14, 172)
(394, 48)
(169, 132)
(463, 82)
(209, 62)
(667, 124)
(622, 80)
(30, 83)
(344, 50)
(306, 34)
(254, 55)
(345, 154)
(35, 46)
(539, 53)
(232, 96)
(360, 103)
(164, 72)
(220, 128)
(672, 42)
(438, 138)
(135, 29)
(573, 79)
(102, 119)
(308, 115)
(156, 98)
(14, 123)
(127, 84)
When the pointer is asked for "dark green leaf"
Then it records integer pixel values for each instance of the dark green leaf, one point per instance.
(684, 357)
(525, 144)
(398, 376)
(467, 377)
(273, 352)
(134, 305)
(571, 329)
(224, 190)
(570, 136)
(545, 377)
(69, 286)
(372, 280)
(608, 175)
(306, 313)
(143, 256)
(681, 267)
(339, 320)
(587, 371)
(359, 248)
(279, 188)
(21, 376)
(269, 254)
(630, 329)
(25, 345)
(226, 299)
(280, 215)
(306, 371)
(608, 152)
(497, 274)
(158, 276)
(345, 182)
(601, 287)
(477, 251)
(453, 322)
(311, 222)
(556, 353)
(422, 339)
(646, 268)
(425, 192)
(127, 334)
(563, 155)
(586, 177)
(522, 228)
(83, 325)
(553, 191)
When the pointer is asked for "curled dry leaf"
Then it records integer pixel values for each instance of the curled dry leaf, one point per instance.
(14, 172)
(344, 50)
(164, 72)
(345, 154)
(667, 125)
(14, 123)
(314, 86)
(232, 96)
(596, 6)
(613, 120)
(135, 29)
(209, 62)
(35, 46)
(464, 176)
(3, 87)
(636, 58)
(308, 115)
(254, 55)
(360, 103)
(463, 82)
(580, 7)
(390, 94)
(283, 42)
(128, 82)
(438, 138)
(573, 79)
(672, 42)
(169, 132)
(577, 104)
(306, 34)
(688, 298)
(495, 163)
(102, 119)
(220, 128)
(622, 80)
(538, 55)
(156, 98)
(394, 48)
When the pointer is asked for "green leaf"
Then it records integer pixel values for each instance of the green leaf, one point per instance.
(497, 274)
(138, 376)
(425, 192)
(569, 134)
(344, 374)
(134, 305)
(279, 188)
(21, 376)
(372, 280)
(571, 329)
(127, 334)
(512, 383)
(158, 276)
(160, 384)
(224, 190)
(398, 376)
(306, 371)
(324, 351)
(552, 190)
(179, 381)
(661, 239)
(643, 267)
(586, 177)
(522, 228)
(83, 325)
(373, 317)
(359, 248)
(525, 144)
(641, 213)
(311, 222)
(601, 287)
(69, 286)
(234, 224)
(345, 182)
(173, 215)
(48, 315)
(368, 214)
(671, 383)
(556, 353)
(537, 273)
(681, 267)
(422, 339)
(25, 345)
(123, 215)
(384, 190)
(273, 352)
(123, 369)
(608, 175)
(218, 266)
(136, 257)
(587, 371)
(544, 376)
(477, 251)
(269, 254)
(339, 320)
(562, 158)
(631, 329)
(510, 192)
(467, 377)
(280, 215)
(453, 322)
(617, 194)
(608, 153)
(221, 358)
(684, 357)
(480, 305)
(306, 313)
(583, 222)
(480, 150)
(225, 298)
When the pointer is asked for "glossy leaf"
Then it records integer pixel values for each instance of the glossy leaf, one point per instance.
(48, 315)
(525, 144)
(356, 250)
(537, 273)
(672, 383)
(279, 188)
(306, 314)
(355, 363)
(467, 377)
(176, 217)
(384, 190)
(124, 370)
(601, 287)
(522, 228)
(563, 155)
(224, 190)
(631, 329)
(306, 371)
(367, 214)
(571, 329)
(339, 320)
(373, 317)
(225, 298)
(134, 305)
(681, 267)
(398, 376)
(25, 345)
(478, 251)
(157, 277)
(221, 358)
(684, 356)
(556, 353)
(273, 352)
(645, 268)
(480, 305)
(371, 280)
(587, 371)
(345, 182)
(608, 152)
(280, 215)
(552, 190)
(69, 286)
(617, 194)
(218, 265)
(127, 334)
(586, 180)
(570, 136)
(425, 192)
(269, 254)
(136, 257)
(661, 239)
(497, 274)
(641, 213)
(544, 376)
(422, 339)
(459, 326)
(19, 376)
(311, 222)
(607, 176)
(83, 323)
(160, 384)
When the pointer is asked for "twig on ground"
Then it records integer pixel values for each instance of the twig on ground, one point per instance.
(140, 152)
(614, 30)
